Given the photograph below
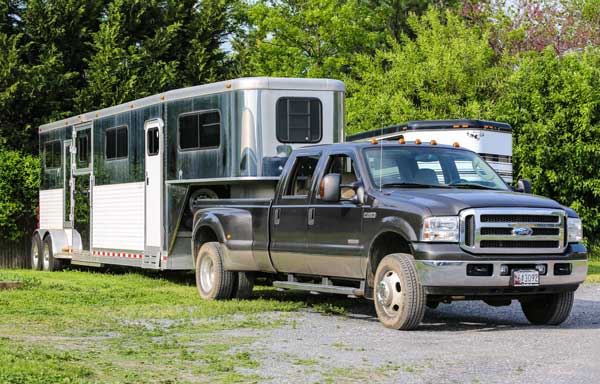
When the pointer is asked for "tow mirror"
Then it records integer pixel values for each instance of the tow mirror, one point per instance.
(329, 190)
(523, 185)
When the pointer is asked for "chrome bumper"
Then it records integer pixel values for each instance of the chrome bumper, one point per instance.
(454, 273)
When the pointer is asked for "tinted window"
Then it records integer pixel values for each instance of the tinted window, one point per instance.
(299, 120)
(83, 149)
(344, 166)
(302, 176)
(153, 141)
(116, 143)
(200, 130)
(52, 154)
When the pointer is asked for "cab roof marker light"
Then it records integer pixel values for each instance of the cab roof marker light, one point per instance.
(456, 126)
(433, 142)
(374, 141)
(402, 141)
(465, 125)
(455, 144)
(418, 141)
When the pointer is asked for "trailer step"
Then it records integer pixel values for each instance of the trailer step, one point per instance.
(322, 288)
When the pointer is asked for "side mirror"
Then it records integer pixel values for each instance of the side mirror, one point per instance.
(523, 185)
(329, 190)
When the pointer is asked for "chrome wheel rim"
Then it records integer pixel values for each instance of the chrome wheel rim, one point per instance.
(35, 256)
(207, 274)
(46, 257)
(389, 293)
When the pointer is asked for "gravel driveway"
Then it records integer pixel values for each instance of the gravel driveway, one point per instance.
(463, 342)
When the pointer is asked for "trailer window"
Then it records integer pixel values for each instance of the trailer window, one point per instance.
(52, 154)
(299, 120)
(83, 149)
(302, 176)
(153, 141)
(200, 130)
(116, 144)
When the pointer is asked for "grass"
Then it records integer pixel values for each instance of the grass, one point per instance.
(593, 271)
(88, 327)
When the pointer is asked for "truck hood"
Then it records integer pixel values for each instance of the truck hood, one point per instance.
(451, 201)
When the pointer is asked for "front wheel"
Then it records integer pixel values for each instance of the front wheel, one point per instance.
(548, 309)
(212, 281)
(400, 299)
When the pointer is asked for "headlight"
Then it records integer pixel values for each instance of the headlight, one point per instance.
(574, 230)
(440, 228)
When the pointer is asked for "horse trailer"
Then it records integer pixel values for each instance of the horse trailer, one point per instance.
(118, 183)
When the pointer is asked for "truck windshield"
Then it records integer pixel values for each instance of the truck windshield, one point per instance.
(429, 167)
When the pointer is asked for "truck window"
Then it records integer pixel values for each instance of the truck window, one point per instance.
(299, 120)
(302, 176)
(343, 165)
(200, 130)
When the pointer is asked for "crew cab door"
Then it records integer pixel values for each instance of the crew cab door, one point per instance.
(335, 242)
(289, 214)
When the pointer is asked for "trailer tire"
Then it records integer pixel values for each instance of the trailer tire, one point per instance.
(244, 285)
(49, 262)
(36, 252)
(548, 309)
(400, 299)
(212, 281)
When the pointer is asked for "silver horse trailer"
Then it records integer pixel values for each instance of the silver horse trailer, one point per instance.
(118, 183)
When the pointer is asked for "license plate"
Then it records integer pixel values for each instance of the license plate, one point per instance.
(528, 278)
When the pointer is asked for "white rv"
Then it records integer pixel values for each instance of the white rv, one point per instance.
(118, 183)
(490, 139)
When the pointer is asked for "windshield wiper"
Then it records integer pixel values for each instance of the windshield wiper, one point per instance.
(472, 186)
(412, 185)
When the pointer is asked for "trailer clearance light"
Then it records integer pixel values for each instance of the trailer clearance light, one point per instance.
(440, 228)
(574, 230)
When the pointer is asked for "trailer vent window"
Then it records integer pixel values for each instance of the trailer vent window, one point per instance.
(116, 143)
(299, 120)
(200, 130)
(52, 154)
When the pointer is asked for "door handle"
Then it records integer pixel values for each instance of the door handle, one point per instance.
(311, 216)
(277, 216)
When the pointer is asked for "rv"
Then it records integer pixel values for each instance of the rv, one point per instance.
(491, 140)
(118, 184)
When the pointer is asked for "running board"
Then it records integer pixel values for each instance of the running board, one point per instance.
(324, 287)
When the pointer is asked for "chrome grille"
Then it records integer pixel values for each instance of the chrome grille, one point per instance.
(496, 230)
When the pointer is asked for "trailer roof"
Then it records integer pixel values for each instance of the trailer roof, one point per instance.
(432, 125)
(247, 83)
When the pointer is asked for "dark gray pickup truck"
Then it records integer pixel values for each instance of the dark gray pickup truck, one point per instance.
(407, 225)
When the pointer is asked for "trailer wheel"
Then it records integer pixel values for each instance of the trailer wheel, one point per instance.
(49, 263)
(244, 286)
(548, 309)
(400, 299)
(36, 253)
(212, 281)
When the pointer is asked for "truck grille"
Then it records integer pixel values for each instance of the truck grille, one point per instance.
(513, 230)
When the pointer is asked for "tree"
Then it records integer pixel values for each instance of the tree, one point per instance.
(447, 71)
(308, 38)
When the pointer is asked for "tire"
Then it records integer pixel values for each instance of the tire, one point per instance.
(212, 281)
(244, 286)
(36, 253)
(549, 309)
(400, 299)
(49, 263)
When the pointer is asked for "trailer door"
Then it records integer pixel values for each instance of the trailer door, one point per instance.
(154, 182)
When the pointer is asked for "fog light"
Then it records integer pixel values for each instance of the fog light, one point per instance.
(504, 270)
(562, 269)
(480, 269)
(541, 268)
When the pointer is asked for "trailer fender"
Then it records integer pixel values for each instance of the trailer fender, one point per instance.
(233, 229)
(60, 241)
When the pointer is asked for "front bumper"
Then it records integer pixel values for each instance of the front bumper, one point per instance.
(445, 265)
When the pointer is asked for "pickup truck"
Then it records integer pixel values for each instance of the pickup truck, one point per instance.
(408, 225)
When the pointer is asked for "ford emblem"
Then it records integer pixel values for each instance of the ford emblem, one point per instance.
(522, 231)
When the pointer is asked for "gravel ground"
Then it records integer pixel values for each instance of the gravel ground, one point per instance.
(462, 342)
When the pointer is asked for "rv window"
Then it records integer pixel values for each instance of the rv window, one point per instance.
(302, 176)
(153, 142)
(52, 154)
(299, 120)
(200, 130)
(116, 143)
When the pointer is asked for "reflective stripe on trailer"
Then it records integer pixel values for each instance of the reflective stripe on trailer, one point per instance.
(126, 255)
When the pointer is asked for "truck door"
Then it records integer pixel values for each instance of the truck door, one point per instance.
(153, 189)
(335, 242)
(289, 220)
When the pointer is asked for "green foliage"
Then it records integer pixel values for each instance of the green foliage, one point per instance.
(553, 103)
(19, 182)
(447, 71)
